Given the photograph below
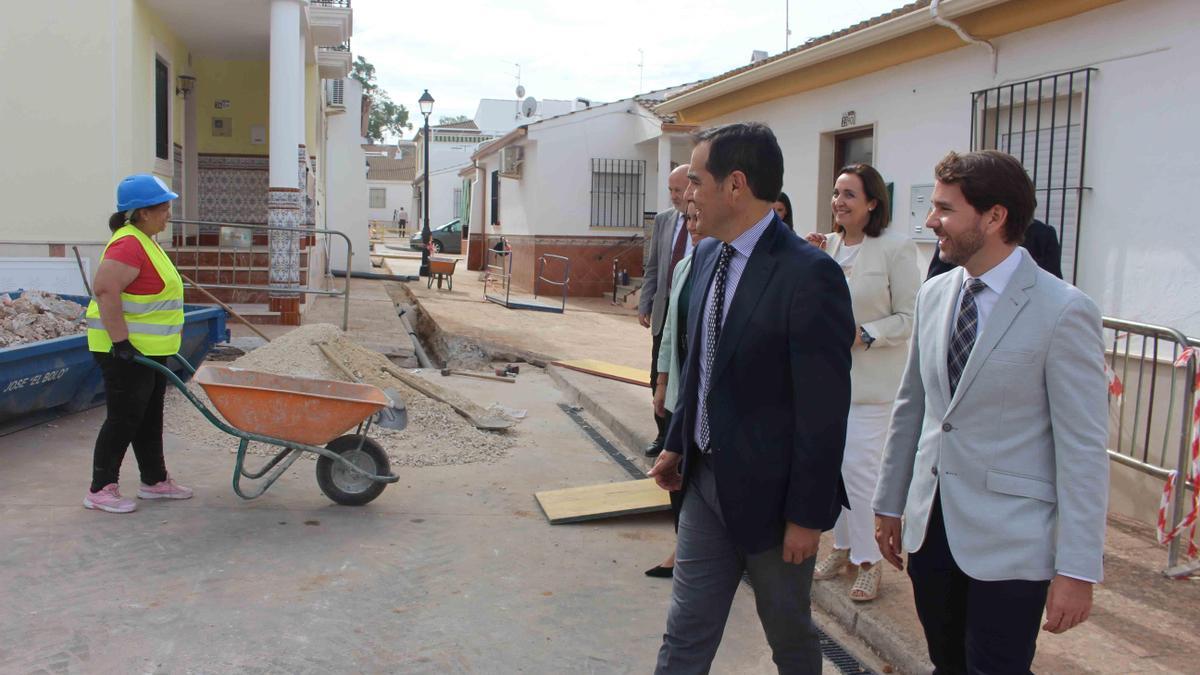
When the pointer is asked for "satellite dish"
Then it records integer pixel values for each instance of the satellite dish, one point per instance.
(520, 91)
(529, 106)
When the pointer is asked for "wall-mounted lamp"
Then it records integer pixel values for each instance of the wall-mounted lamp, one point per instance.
(184, 85)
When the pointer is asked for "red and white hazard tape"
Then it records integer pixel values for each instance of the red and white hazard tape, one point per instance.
(1115, 388)
(1189, 521)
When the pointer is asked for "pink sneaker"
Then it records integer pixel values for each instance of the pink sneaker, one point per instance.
(167, 489)
(109, 499)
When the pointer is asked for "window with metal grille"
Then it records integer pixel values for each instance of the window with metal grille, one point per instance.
(378, 198)
(618, 192)
(456, 204)
(162, 148)
(1043, 123)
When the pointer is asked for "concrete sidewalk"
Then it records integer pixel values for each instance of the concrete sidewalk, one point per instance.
(1142, 622)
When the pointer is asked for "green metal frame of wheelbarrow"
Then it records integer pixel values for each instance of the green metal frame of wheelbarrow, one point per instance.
(291, 449)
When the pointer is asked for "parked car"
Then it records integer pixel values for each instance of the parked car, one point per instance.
(445, 239)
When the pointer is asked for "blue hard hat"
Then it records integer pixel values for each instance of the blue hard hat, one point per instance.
(141, 190)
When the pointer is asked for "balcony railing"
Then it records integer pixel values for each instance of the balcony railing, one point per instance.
(332, 3)
(344, 47)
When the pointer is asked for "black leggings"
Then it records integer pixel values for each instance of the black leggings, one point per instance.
(135, 415)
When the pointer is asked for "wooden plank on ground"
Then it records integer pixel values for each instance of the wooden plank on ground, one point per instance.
(593, 502)
(611, 371)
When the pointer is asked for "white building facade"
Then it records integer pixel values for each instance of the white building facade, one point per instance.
(580, 185)
(345, 208)
(1117, 87)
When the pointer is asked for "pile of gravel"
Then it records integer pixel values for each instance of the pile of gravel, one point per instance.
(436, 435)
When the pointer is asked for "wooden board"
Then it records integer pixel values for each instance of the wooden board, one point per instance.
(611, 371)
(593, 502)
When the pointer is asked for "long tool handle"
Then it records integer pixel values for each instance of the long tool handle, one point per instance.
(482, 376)
(86, 286)
(225, 307)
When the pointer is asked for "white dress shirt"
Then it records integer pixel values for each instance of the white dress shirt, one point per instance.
(995, 281)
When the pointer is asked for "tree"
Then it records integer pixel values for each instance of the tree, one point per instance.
(453, 119)
(364, 72)
(386, 116)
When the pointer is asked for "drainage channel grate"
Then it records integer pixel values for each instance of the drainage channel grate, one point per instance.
(831, 649)
(841, 659)
(599, 439)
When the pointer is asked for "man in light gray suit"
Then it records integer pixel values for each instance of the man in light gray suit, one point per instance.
(669, 243)
(996, 453)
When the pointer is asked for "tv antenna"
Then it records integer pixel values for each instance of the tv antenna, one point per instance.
(787, 25)
(641, 68)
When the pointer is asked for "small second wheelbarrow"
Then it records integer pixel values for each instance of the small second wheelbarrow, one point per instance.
(299, 415)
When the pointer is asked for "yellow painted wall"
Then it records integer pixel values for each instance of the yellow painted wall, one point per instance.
(59, 142)
(148, 34)
(246, 85)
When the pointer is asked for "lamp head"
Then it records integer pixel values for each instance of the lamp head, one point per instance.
(426, 103)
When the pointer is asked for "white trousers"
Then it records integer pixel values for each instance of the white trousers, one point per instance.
(866, 431)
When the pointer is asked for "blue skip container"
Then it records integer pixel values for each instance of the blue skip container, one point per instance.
(43, 380)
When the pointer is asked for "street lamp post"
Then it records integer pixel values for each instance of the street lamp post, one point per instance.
(426, 103)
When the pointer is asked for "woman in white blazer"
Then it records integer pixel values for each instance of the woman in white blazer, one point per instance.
(881, 270)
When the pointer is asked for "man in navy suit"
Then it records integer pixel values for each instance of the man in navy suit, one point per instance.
(756, 441)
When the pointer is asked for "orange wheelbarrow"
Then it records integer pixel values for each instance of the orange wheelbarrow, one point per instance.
(299, 415)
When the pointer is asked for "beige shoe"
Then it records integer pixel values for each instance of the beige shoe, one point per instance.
(866, 585)
(832, 564)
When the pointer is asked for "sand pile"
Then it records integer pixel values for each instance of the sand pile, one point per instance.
(38, 315)
(436, 434)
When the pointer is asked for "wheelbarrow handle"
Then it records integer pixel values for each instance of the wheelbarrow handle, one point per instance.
(155, 365)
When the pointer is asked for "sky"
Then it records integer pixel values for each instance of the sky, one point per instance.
(466, 50)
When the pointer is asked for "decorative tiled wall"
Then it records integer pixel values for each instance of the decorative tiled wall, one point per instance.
(233, 188)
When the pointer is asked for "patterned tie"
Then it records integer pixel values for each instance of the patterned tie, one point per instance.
(965, 330)
(677, 253)
(713, 321)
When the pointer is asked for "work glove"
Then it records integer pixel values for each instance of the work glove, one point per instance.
(124, 350)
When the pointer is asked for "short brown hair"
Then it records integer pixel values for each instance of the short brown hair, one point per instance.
(874, 188)
(988, 178)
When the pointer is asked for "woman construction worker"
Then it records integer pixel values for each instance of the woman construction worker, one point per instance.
(137, 311)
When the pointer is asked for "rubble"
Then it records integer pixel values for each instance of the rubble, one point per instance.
(36, 316)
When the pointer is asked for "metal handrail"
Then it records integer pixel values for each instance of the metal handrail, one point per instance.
(1139, 406)
(182, 245)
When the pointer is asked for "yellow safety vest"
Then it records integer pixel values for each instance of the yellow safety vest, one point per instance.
(155, 321)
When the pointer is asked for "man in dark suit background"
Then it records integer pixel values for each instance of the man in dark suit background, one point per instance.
(669, 243)
(756, 441)
(1040, 240)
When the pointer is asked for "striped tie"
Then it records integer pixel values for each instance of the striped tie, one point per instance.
(965, 330)
(713, 323)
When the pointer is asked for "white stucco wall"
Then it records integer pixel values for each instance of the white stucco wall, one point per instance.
(553, 195)
(398, 193)
(1138, 248)
(346, 183)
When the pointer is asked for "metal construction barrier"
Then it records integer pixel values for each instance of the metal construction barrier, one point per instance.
(235, 250)
(1152, 391)
(565, 262)
(497, 282)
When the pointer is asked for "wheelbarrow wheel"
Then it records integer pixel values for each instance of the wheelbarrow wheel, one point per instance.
(346, 486)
